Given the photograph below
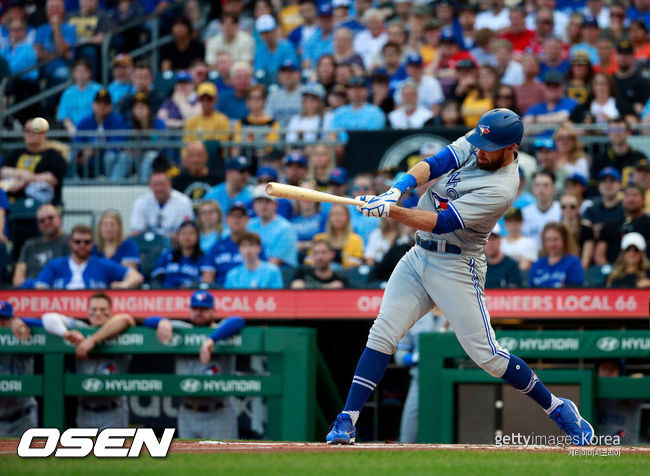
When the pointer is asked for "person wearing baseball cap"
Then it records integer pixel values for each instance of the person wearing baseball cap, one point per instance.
(556, 107)
(634, 219)
(632, 268)
(608, 207)
(121, 85)
(428, 88)
(202, 417)
(295, 168)
(321, 42)
(285, 101)
(210, 119)
(17, 414)
(358, 114)
(312, 117)
(630, 84)
(224, 254)
(342, 18)
(235, 188)
(113, 163)
(502, 270)
(279, 239)
(272, 51)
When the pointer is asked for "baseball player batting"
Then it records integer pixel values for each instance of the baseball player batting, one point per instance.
(478, 184)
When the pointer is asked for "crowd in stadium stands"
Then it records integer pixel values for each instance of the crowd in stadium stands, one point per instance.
(242, 71)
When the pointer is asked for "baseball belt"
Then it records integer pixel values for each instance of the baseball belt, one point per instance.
(439, 246)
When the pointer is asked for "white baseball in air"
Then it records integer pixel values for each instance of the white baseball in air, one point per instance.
(40, 125)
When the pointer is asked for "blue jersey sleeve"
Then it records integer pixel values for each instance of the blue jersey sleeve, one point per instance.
(152, 321)
(130, 251)
(161, 264)
(32, 321)
(115, 271)
(228, 327)
(46, 276)
(448, 221)
(442, 162)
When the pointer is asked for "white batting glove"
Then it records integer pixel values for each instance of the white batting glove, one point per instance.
(364, 198)
(380, 206)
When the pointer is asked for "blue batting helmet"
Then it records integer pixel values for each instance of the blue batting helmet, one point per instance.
(497, 129)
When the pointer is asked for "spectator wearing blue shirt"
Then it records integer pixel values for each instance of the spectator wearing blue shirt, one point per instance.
(253, 273)
(114, 164)
(343, 19)
(272, 52)
(322, 41)
(590, 35)
(184, 265)
(121, 85)
(559, 266)
(235, 188)
(391, 53)
(279, 240)
(80, 270)
(358, 114)
(232, 101)
(55, 39)
(299, 35)
(556, 107)
(224, 255)
(639, 10)
(77, 99)
(19, 53)
(269, 174)
(111, 243)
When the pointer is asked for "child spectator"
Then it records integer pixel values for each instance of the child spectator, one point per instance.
(76, 101)
(253, 273)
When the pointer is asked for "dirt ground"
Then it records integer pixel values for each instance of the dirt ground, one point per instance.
(10, 447)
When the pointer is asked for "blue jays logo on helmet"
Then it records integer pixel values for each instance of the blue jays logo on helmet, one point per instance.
(496, 129)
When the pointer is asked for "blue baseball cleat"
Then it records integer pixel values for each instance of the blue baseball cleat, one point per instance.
(570, 422)
(342, 431)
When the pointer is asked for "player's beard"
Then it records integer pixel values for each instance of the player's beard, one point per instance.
(494, 164)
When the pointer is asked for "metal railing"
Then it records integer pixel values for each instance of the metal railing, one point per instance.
(170, 142)
(167, 142)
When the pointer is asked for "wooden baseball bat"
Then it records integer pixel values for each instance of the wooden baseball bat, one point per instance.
(282, 190)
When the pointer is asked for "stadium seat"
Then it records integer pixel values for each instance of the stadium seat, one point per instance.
(150, 245)
(357, 276)
(595, 276)
(287, 276)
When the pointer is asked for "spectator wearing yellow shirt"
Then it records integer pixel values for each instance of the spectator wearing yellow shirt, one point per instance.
(213, 124)
(480, 99)
(347, 245)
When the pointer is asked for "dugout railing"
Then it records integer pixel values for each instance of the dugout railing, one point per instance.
(290, 388)
(439, 376)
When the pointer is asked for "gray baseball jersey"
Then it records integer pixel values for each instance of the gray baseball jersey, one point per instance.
(220, 423)
(454, 282)
(478, 198)
(15, 365)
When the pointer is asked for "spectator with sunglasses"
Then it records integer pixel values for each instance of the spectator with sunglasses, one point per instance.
(80, 270)
(36, 252)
